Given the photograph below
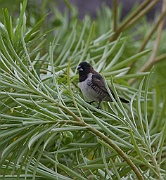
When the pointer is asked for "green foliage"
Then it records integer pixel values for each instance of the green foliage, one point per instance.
(48, 131)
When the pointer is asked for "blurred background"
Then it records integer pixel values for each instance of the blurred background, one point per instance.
(41, 44)
(84, 7)
(55, 11)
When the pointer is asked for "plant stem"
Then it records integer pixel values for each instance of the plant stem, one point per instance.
(107, 140)
(115, 5)
(118, 150)
(157, 41)
(134, 17)
(159, 58)
(152, 31)
(140, 14)
(152, 60)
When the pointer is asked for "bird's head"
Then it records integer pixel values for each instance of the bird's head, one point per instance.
(84, 68)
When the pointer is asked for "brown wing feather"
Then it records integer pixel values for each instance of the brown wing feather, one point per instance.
(98, 81)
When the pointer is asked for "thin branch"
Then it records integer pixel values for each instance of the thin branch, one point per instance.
(118, 150)
(152, 31)
(140, 14)
(160, 58)
(134, 17)
(157, 41)
(155, 60)
(152, 60)
(135, 13)
(115, 12)
(107, 140)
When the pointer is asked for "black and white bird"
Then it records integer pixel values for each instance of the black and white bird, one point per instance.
(92, 85)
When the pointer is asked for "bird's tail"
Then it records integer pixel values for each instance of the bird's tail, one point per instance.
(123, 100)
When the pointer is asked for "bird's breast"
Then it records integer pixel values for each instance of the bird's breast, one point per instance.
(87, 90)
(90, 91)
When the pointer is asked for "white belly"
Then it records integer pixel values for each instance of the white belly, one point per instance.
(87, 91)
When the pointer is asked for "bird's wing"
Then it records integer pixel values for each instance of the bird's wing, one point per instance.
(97, 80)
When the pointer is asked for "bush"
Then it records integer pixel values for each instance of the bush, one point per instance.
(48, 130)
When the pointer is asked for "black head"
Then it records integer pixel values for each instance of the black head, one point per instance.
(84, 68)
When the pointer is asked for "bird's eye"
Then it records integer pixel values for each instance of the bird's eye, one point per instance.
(80, 68)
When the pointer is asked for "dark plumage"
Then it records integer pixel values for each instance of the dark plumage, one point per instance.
(92, 85)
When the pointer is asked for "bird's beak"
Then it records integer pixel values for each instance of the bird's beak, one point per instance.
(79, 68)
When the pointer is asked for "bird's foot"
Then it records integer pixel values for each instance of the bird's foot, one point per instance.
(90, 102)
(98, 107)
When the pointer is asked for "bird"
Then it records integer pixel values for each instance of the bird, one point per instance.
(92, 85)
